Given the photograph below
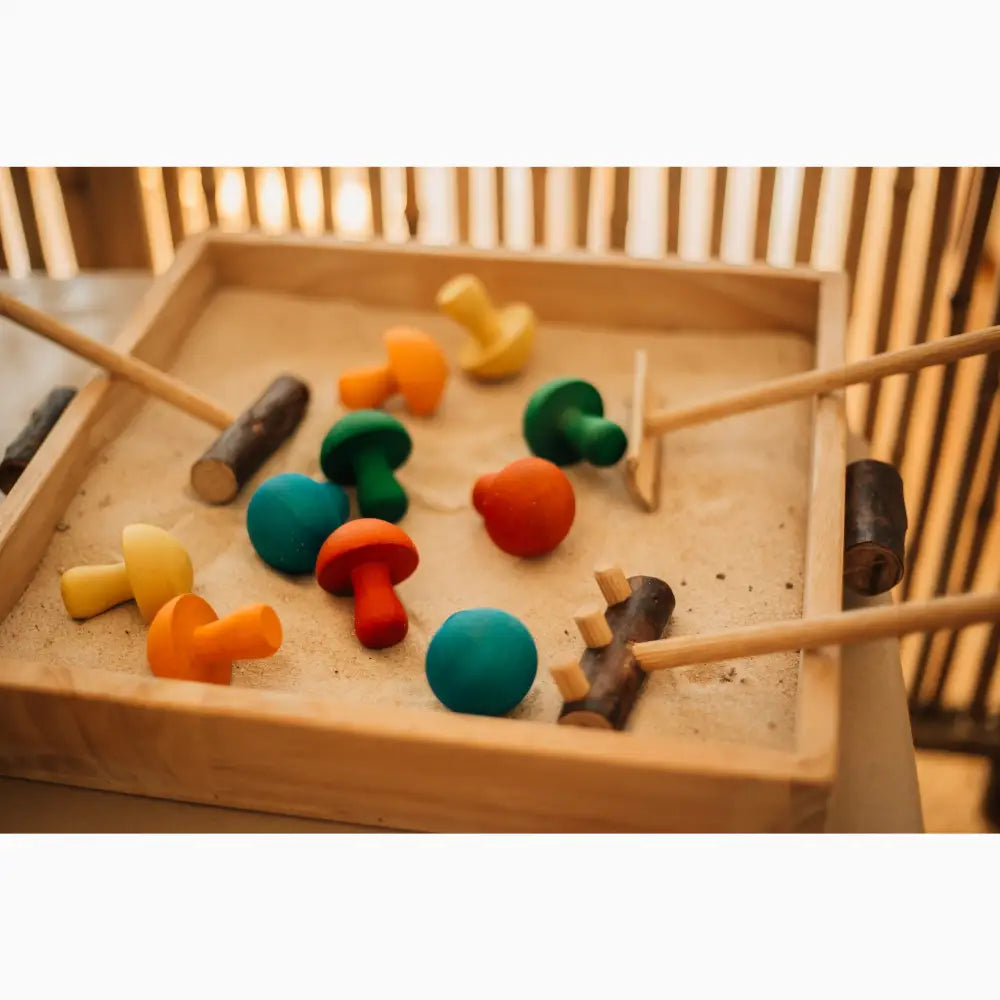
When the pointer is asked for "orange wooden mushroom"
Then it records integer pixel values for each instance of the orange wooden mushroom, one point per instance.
(188, 641)
(416, 368)
(528, 506)
(368, 557)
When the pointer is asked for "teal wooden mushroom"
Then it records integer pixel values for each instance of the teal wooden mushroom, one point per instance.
(362, 449)
(481, 661)
(290, 516)
(564, 422)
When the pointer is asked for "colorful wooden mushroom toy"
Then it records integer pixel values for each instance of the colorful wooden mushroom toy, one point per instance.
(368, 558)
(481, 661)
(188, 641)
(564, 422)
(155, 568)
(415, 367)
(290, 516)
(500, 340)
(364, 448)
(528, 506)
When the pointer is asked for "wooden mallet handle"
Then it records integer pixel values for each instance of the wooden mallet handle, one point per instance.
(145, 376)
(822, 380)
(812, 633)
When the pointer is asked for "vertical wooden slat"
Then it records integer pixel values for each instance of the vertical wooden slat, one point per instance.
(292, 195)
(329, 196)
(29, 221)
(987, 393)
(673, 209)
(856, 226)
(412, 210)
(538, 176)
(253, 207)
(462, 196)
(375, 193)
(812, 179)
(718, 210)
(581, 176)
(765, 201)
(619, 208)
(500, 198)
(106, 217)
(960, 301)
(208, 186)
(987, 668)
(943, 202)
(3, 256)
(175, 213)
(902, 189)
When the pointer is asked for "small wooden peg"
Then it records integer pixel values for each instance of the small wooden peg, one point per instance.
(593, 626)
(613, 583)
(571, 681)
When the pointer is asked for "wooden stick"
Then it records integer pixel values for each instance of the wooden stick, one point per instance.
(145, 376)
(571, 681)
(825, 380)
(644, 457)
(813, 633)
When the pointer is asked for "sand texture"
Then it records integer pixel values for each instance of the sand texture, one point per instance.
(729, 537)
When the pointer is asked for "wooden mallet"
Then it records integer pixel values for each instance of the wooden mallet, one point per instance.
(643, 458)
(246, 441)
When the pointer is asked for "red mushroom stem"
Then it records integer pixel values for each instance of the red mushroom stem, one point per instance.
(379, 618)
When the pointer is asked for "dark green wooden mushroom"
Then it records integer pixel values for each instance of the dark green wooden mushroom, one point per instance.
(564, 422)
(362, 449)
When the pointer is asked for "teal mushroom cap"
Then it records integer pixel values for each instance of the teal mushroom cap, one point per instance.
(290, 516)
(564, 422)
(363, 448)
(481, 661)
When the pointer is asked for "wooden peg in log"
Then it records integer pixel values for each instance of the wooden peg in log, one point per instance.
(613, 677)
(22, 449)
(613, 583)
(874, 527)
(571, 680)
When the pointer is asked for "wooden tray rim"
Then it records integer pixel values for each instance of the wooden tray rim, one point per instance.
(160, 323)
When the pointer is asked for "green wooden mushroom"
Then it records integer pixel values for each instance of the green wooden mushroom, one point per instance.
(564, 422)
(362, 449)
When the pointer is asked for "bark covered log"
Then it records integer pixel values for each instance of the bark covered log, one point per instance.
(253, 437)
(22, 449)
(874, 527)
(615, 677)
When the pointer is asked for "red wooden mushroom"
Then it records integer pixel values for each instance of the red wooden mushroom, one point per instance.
(368, 557)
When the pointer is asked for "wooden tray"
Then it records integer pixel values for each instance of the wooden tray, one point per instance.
(751, 528)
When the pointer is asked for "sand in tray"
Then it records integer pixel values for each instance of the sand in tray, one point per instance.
(729, 537)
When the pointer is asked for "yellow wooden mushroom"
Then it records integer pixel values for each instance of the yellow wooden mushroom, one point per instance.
(501, 339)
(156, 569)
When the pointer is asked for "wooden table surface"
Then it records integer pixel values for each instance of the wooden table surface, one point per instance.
(876, 789)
